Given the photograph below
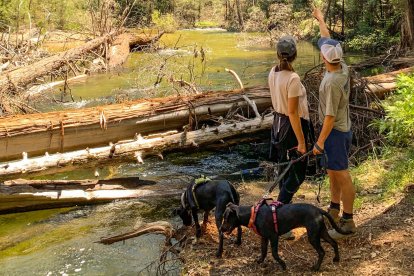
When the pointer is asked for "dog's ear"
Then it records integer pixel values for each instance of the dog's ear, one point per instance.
(234, 208)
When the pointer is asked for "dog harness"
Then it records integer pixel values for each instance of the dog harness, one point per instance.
(255, 209)
(197, 182)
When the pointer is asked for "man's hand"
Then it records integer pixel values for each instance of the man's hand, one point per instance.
(318, 14)
(317, 151)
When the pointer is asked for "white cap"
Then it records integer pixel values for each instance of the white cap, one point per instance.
(331, 50)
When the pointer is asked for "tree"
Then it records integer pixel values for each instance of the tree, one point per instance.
(407, 27)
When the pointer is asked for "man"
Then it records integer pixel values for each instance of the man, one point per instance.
(336, 136)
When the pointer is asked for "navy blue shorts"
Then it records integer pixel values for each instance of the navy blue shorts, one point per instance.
(337, 147)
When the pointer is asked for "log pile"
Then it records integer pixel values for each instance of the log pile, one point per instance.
(62, 131)
(365, 107)
(135, 150)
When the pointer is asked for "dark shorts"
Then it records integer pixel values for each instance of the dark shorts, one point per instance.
(337, 147)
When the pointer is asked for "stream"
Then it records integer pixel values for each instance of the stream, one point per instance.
(61, 241)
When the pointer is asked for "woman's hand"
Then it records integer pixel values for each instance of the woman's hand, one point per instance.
(302, 148)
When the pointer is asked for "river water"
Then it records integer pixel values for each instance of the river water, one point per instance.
(61, 241)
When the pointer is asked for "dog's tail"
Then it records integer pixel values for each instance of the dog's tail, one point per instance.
(333, 223)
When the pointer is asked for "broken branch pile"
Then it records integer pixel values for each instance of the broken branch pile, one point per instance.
(78, 60)
(365, 107)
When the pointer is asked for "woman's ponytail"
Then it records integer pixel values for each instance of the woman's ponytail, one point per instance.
(285, 62)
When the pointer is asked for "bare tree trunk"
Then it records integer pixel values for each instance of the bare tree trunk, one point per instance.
(407, 28)
(239, 14)
(343, 18)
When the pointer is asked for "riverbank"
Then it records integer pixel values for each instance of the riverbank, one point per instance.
(384, 218)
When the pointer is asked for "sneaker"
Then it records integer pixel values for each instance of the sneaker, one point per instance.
(347, 225)
(334, 214)
(288, 236)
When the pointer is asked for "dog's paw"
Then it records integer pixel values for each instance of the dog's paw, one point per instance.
(336, 259)
(238, 242)
(219, 254)
(198, 233)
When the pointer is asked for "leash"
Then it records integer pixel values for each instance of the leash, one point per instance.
(280, 177)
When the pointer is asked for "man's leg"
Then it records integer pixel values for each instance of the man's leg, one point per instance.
(342, 189)
(335, 186)
(342, 181)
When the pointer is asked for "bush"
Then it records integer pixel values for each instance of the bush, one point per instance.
(398, 124)
(165, 22)
(374, 42)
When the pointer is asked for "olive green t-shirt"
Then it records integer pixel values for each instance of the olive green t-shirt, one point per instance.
(334, 98)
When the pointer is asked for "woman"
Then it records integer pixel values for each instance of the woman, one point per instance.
(291, 123)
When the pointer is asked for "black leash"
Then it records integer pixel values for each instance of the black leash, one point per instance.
(280, 177)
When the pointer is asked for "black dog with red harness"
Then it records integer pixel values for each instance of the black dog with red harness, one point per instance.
(275, 219)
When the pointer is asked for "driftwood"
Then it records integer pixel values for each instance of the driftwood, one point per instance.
(68, 130)
(158, 227)
(158, 266)
(28, 195)
(134, 150)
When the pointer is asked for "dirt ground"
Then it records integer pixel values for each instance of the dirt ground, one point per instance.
(384, 243)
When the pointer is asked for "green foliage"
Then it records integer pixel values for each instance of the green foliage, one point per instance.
(69, 14)
(256, 20)
(372, 41)
(398, 125)
(165, 22)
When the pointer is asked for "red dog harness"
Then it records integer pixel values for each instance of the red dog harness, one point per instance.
(255, 209)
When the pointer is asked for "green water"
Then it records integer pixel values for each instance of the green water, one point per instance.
(180, 56)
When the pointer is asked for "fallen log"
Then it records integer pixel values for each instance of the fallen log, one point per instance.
(134, 150)
(29, 195)
(36, 134)
(60, 184)
(124, 43)
(384, 83)
(22, 76)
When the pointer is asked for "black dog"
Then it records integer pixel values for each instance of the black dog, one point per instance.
(289, 216)
(206, 196)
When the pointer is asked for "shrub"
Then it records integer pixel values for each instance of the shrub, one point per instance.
(165, 22)
(398, 124)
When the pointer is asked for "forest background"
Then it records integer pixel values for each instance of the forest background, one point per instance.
(373, 25)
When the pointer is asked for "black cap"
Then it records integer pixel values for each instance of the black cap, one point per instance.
(286, 46)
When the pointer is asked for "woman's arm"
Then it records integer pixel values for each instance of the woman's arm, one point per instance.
(294, 119)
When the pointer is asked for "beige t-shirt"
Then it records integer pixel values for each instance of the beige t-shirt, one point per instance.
(334, 98)
(284, 85)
